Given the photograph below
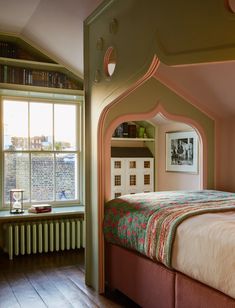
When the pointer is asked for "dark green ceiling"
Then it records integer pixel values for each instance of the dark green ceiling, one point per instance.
(193, 31)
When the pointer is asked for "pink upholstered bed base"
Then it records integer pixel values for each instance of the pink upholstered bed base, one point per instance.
(151, 284)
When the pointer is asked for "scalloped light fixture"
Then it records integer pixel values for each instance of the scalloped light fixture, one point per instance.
(110, 61)
(230, 5)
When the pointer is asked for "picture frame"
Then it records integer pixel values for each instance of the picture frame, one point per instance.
(182, 151)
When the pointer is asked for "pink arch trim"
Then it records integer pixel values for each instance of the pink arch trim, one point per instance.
(104, 144)
(101, 159)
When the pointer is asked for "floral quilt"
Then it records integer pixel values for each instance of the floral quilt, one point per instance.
(147, 222)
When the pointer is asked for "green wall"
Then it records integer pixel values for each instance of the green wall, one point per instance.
(174, 32)
(149, 96)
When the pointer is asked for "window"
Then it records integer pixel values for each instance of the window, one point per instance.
(132, 180)
(132, 164)
(41, 152)
(117, 164)
(146, 164)
(117, 180)
(116, 195)
(147, 179)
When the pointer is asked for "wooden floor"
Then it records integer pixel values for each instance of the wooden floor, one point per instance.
(50, 280)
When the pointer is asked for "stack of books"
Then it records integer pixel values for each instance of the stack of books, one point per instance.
(40, 208)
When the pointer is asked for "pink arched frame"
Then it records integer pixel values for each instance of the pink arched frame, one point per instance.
(104, 147)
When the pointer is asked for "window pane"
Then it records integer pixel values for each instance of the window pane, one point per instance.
(132, 164)
(132, 180)
(117, 164)
(66, 177)
(147, 179)
(16, 174)
(41, 126)
(146, 164)
(117, 180)
(116, 195)
(65, 127)
(15, 121)
(42, 174)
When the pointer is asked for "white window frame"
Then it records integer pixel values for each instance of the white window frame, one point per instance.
(78, 151)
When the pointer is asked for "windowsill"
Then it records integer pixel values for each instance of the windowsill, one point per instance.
(59, 211)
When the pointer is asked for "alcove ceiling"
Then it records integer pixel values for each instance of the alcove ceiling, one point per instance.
(209, 86)
(160, 120)
(56, 26)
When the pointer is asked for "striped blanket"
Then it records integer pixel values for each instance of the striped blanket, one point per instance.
(147, 222)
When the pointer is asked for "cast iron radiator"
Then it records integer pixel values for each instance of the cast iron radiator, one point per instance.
(43, 236)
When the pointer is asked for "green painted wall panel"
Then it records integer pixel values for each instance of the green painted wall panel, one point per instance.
(152, 93)
(176, 32)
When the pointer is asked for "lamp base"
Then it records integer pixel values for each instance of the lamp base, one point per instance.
(17, 211)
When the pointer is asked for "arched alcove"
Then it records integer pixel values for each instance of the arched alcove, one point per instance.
(157, 99)
(172, 149)
(177, 123)
(144, 103)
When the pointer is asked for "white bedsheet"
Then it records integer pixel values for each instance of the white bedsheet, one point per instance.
(204, 249)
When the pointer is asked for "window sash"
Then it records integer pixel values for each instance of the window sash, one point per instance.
(77, 151)
(77, 124)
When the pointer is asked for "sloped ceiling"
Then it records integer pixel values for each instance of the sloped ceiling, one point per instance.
(209, 86)
(56, 26)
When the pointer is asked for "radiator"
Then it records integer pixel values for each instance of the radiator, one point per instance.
(43, 236)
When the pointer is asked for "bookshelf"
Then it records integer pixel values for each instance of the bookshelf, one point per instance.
(129, 134)
(132, 139)
(22, 65)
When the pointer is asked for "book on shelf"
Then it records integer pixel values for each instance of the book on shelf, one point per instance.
(8, 50)
(13, 50)
(125, 129)
(26, 69)
(40, 208)
(131, 130)
(34, 77)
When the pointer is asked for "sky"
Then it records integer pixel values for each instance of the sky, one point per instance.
(15, 115)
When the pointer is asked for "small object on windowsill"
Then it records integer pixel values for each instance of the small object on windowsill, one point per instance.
(16, 201)
(40, 208)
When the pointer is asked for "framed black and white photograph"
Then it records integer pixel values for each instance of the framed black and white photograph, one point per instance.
(182, 152)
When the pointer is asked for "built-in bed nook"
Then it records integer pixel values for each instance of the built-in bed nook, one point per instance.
(163, 248)
(151, 238)
(166, 247)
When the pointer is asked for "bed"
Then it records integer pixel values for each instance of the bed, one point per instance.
(172, 249)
